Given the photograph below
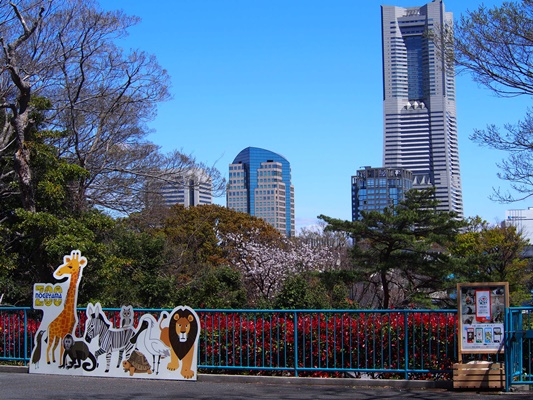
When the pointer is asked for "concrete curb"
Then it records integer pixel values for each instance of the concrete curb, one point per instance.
(351, 382)
(282, 380)
(13, 368)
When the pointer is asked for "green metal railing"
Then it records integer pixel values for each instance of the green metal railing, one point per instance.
(386, 343)
(402, 344)
(519, 346)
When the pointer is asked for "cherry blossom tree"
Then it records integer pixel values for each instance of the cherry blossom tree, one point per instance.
(265, 264)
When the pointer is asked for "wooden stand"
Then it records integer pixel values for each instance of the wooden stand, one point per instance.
(479, 375)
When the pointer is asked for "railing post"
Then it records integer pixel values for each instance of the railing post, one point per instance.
(508, 351)
(26, 337)
(406, 344)
(295, 343)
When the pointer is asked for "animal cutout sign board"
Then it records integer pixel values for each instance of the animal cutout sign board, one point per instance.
(157, 347)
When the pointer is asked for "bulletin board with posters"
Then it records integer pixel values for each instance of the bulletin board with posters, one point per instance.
(481, 316)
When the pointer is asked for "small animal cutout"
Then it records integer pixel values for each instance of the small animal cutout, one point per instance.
(78, 351)
(126, 316)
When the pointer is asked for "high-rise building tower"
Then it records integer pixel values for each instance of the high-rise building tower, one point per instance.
(522, 220)
(374, 189)
(419, 117)
(260, 184)
(191, 188)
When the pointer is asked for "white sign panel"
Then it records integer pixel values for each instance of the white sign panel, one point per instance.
(481, 314)
(160, 346)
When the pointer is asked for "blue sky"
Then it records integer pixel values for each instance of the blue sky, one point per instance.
(301, 78)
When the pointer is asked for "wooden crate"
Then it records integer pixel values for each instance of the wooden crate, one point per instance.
(479, 375)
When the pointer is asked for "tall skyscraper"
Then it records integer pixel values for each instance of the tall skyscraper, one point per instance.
(260, 184)
(374, 189)
(419, 116)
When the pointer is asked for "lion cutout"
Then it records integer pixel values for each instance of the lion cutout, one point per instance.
(182, 338)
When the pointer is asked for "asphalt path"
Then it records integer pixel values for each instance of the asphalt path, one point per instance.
(14, 386)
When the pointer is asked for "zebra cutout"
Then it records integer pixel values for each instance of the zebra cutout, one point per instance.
(109, 339)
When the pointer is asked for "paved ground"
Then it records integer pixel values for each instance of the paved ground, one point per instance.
(14, 386)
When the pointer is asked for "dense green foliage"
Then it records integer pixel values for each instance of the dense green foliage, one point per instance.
(164, 257)
(494, 254)
(325, 290)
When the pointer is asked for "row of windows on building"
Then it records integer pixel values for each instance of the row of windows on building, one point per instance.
(373, 189)
(266, 181)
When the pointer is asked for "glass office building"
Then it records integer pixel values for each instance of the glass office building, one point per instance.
(374, 189)
(191, 188)
(419, 115)
(259, 184)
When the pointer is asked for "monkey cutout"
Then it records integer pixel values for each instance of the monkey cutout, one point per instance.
(78, 351)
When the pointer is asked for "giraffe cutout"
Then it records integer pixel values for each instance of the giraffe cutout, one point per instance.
(65, 322)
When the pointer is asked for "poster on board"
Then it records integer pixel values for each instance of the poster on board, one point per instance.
(481, 308)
